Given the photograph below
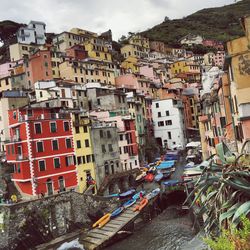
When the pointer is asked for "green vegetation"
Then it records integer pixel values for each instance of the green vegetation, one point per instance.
(232, 238)
(214, 23)
(222, 195)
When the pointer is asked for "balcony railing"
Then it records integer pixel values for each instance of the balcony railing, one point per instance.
(50, 116)
(14, 138)
(78, 123)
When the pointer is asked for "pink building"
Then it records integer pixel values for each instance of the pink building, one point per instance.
(219, 58)
(5, 69)
(127, 81)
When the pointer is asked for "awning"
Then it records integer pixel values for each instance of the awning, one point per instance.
(193, 144)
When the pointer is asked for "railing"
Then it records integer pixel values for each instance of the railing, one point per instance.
(78, 123)
(50, 116)
(22, 157)
(13, 139)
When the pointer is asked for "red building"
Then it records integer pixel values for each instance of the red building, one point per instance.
(129, 125)
(41, 150)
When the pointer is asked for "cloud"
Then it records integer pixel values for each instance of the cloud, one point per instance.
(98, 15)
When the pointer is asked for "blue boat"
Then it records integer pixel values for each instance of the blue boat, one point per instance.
(137, 195)
(153, 193)
(158, 177)
(117, 212)
(166, 165)
(127, 193)
(171, 183)
(111, 195)
(129, 203)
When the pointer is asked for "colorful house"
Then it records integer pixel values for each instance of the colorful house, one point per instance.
(41, 151)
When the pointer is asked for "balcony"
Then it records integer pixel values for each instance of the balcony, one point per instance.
(51, 116)
(78, 123)
(22, 157)
(14, 138)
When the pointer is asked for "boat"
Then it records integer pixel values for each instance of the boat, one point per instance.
(140, 177)
(149, 177)
(127, 193)
(138, 195)
(102, 221)
(111, 195)
(117, 212)
(152, 169)
(166, 174)
(171, 183)
(153, 193)
(158, 177)
(129, 203)
(166, 165)
(142, 204)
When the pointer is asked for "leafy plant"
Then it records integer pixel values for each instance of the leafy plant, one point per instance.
(232, 238)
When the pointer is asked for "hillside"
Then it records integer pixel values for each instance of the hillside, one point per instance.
(220, 23)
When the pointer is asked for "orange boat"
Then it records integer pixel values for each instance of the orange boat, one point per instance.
(142, 204)
(102, 221)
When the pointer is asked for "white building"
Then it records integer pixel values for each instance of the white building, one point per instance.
(191, 39)
(34, 32)
(168, 121)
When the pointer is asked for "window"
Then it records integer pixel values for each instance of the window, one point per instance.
(53, 127)
(38, 128)
(109, 134)
(86, 143)
(55, 145)
(30, 112)
(68, 143)
(18, 168)
(88, 158)
(169, 135)
(66, 126)
(39, 146)
(101, 133)
(98, 101)
(69, 160)
(110, 148)
(79, 160)
(83, 160)
(135, 162)
(78, 144)
(160, 124)
(41, 165)
(57, 162)
(93, 158)
(167, 113)
(159, 114)
(77, 130)
(121, 137)
(168, 122)
(103, 149)
(85, 129)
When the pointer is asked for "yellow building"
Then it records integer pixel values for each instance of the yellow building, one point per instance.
(85, 160)
(134, 50)
(18, 50)
(88, 71)
(178, 67)
(239, 73)
(97, 48)
(130, 64)
(139, 41)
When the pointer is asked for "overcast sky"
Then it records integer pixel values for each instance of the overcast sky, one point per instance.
(121, 16)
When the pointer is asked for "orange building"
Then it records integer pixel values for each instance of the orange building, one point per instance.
(39, 66)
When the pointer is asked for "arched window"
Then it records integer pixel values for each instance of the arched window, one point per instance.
(61, 184)
(49, 185)
(106, 168)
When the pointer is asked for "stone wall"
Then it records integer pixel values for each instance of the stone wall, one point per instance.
(47, 218)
